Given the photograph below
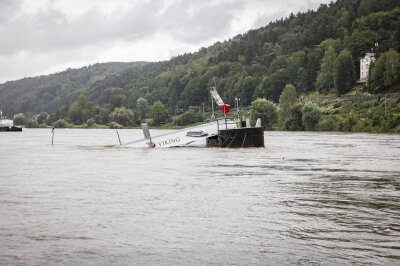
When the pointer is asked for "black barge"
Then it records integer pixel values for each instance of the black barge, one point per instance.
(239, 137)
(12, 128)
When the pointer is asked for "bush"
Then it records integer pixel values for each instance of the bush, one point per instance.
(188, 117)
(393, 120)
(61, 123)
(266, 111)
(122, 116)
(347, 124)
(295, 122)
(311, 115)
(363, 125)
(327, 124)
(31, 123)
(90, 122)
(115, 125)
(19, 121)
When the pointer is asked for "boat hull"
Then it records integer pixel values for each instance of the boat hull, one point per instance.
(237, 138)
(180, 137)
(12, 128)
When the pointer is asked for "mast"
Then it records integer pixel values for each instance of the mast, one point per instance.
(216, 97)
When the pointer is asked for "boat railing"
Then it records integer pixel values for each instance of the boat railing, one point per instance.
(225, 121)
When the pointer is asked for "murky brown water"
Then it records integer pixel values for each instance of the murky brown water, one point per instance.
(307, 198)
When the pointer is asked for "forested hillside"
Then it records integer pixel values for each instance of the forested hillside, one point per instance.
(314, 51)
(261, 62)
(47, 93)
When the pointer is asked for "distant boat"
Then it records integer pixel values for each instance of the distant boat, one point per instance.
(7, 124)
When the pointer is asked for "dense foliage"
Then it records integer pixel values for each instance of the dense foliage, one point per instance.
(48, 93)
(266, 111)
(313, 51)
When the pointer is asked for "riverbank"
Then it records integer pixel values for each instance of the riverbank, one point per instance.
(381, 115)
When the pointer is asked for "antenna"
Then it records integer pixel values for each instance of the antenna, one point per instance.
(237, 106)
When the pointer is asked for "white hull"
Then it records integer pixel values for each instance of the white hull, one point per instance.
(179, 137)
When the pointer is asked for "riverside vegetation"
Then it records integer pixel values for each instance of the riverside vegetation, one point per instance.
(268, 68)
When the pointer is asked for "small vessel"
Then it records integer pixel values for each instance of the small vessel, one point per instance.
(7, 124)
(197, 134)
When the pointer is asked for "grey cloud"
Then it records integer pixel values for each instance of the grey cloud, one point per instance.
(50, 29)
(9, 8)
(209, 19)
(285, 8)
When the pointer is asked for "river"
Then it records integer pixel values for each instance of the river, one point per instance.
(306, 198)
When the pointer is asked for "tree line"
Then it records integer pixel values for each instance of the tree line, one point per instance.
(315, 52)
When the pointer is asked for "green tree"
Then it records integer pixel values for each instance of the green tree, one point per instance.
(83, 101)
(42, 117)
(266, 111)
(31, 123)
(61, 123)
(287, 100)
(142, 108)
(344, 74)
(91, 122)
(19, 121)
(62, 112)
(295, 120)
(385, 72)
(75, 113)
(311, 115)
(117, 101)
(188, 117)
(158, 113)
(122, 116)
(325, 81)
(78, 111)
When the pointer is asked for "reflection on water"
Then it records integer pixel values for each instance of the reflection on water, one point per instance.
(307, 198)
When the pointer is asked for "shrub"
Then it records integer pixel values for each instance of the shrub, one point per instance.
(115, 125)
(347, 124)
(393, 120)
(188, 117)
(122, 116)
(266, 111)
(311, 115)
(90, 122)
(61, 123)
(363, 125)
(19, 121)
(295, 122)
(327, 124)
(31, 123)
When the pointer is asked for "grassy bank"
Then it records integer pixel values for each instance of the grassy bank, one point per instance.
(360, 116)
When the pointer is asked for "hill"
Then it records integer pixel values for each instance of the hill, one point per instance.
(261, 62)
(49, 92)
(258, 63)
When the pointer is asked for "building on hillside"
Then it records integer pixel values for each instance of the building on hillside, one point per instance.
(365, 62)
(18, 115)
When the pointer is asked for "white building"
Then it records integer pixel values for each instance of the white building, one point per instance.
(364, 66)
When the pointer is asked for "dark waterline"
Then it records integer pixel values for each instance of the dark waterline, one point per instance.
(307, 198)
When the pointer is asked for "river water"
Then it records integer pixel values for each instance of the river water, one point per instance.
(307, 198)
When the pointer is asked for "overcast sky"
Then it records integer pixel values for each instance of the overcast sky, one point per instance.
(45, 36)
